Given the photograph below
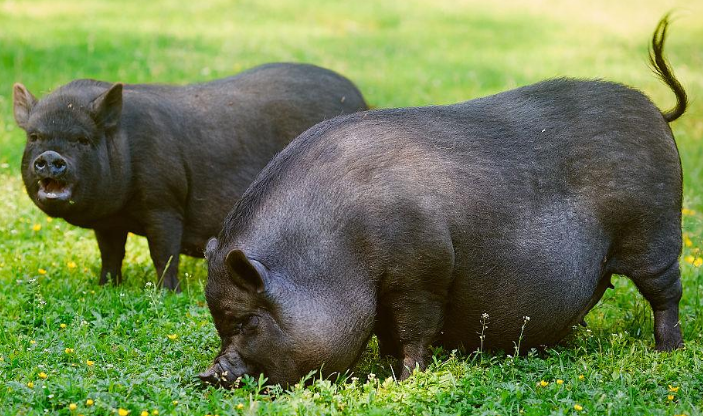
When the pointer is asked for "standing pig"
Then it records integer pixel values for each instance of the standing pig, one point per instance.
(166, 162)
(412, 223)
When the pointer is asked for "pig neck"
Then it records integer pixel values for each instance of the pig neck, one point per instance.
(119, 170)
(328, 315)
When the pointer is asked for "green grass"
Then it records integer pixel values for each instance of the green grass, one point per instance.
(400, 53)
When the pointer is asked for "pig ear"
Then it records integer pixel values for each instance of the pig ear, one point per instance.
(107, 108)
(23, 102)
(210, 247)
(247, 274)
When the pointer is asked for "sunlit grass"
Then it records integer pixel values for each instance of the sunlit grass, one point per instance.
(134, 349)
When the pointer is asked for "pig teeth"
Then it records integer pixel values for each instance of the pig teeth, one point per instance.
(51, 195)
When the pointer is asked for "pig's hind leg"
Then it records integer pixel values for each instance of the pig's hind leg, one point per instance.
(663, 291)
(649, 256)
(164, 232)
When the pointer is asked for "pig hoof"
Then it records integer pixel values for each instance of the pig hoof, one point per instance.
(669, 346)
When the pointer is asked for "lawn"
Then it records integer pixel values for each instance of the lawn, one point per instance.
(68, 346)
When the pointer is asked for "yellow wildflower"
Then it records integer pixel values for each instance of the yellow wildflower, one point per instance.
(41, 271)
(69, 350)
(144, 413)
(89, 402)
(578, 407)
(698, 262)
(240, 406)
(689, 259)
(72, 407)
(63, 326)
(31, 341)
(673, 389)
(175, 402)
(560, 381)
(89, 363)
(71, 265)
(36, 227)
(670, 397)
(49, 219)
(172, 336)
(687, 211)
(154, 412)
(43, 375)
(687, 241)
(543, 383)
(123, 412)
(30, 385)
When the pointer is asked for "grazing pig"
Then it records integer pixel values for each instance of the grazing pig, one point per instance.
(413, 223)
(166, 162)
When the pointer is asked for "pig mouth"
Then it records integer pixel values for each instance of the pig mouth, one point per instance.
(53, 190)
(223, 375)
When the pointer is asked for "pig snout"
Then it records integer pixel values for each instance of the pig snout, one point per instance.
(225, 371)
(50, 165)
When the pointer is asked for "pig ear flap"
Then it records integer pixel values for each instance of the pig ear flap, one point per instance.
(23, 102)
(107, 107)
(210, 247)
(247, 274)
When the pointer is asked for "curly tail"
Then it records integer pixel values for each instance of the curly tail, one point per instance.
(661, 67)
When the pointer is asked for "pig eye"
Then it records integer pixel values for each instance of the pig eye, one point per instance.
(251, 322)
(33, 137)
(247, 324)
(84, 141)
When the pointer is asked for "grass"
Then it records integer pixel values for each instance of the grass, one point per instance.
(65, 340)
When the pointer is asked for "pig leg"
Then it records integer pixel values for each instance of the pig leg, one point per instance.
(164, 236)
(111, 244)
(417, 319)
(663, 292)
(649, 255)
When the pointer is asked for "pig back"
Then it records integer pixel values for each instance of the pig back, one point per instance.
(215, 137)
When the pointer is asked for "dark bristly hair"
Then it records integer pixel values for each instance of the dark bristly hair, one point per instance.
(661, 67)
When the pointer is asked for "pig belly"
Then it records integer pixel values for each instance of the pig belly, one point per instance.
(553, 276)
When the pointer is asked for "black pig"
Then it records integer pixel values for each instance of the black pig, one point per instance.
(166, 162)
(413, 223)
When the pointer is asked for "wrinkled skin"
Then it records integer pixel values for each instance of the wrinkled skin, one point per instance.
(414, 223)
(165, 162)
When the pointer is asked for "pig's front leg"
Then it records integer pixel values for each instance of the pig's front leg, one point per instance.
(163, 232)
(111, 243)
(417, 319)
